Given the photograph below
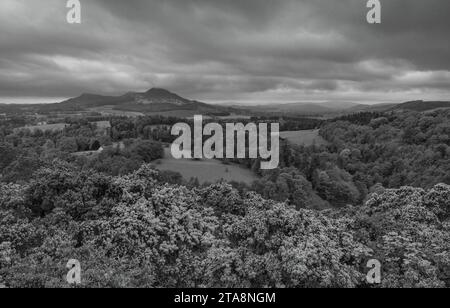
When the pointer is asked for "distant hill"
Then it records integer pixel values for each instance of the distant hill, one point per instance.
(153, 96)
(421, 105)
(153, 101)
(329, 108)
(163, 102)
(90, 100)
(337, 105)
(292, 108)
(371, 108)
(159, 96)
(332, 107)
(306, 108)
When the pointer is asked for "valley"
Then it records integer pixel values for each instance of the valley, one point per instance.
(103, 163)
(205, 170)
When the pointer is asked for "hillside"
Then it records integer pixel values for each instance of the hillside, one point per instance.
(347, 107)
(325, 108)
(153, 101)
(298, 108)
(371, 108)
(153, 96)
(421, 105)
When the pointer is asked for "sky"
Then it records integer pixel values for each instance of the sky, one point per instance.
(226, 51)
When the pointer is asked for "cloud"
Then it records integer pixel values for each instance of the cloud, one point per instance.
(224, 50)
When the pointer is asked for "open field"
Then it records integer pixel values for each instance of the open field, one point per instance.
(110, 111)
(304, 137)
(235, 117)
(231, 117)
(210, 171)
(188, 114)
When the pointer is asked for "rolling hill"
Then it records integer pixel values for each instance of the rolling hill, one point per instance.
(153, 101)
(158, 99)
(347, 107)
(421, 105)
(325, 108)
(296, 108)
(371, 108)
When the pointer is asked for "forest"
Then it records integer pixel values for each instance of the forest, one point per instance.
(378, 190)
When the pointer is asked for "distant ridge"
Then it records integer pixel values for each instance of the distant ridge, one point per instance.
(371, 108)
(154, 101)
(157, 96)
(310, 108)
(163, 102)
(346, 107)
(421, 105)
(305, 108)
(152, 96)
(88, 100)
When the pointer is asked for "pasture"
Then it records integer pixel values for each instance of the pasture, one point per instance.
(206, 170)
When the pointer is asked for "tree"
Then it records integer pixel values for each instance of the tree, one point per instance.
(8, 155)
(147, 151)
(409, 232)
(68, 144)
(291, 186)
(95, 145)
(336, 186)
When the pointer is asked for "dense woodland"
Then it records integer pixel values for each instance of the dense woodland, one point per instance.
(378, 190)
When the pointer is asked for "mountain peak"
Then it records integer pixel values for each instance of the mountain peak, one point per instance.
(159, 92)
(165, 96)
(87, 95)
(154, 100)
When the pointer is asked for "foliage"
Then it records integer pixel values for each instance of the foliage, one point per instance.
(136, 231)
(314, 222)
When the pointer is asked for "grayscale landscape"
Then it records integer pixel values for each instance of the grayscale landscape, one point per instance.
(88, 180)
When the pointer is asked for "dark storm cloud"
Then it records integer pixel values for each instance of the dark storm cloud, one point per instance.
(217, 50)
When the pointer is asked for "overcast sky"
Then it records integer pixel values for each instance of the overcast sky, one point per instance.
(226, 50)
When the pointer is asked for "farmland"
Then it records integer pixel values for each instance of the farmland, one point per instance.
(110, 111)
(44, 128)
(206, 171)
